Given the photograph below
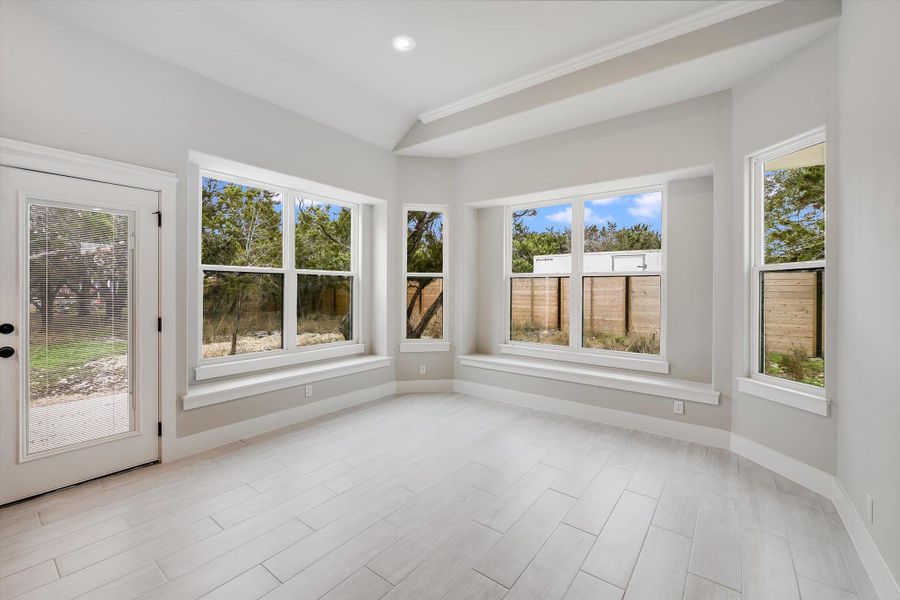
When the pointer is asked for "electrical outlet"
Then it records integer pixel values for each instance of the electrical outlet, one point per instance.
(870, 509)
(679, 407)
(421, 369)
(309, 390)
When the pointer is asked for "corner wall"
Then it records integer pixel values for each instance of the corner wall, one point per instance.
(426, 181)
(790, 98)
(691, 136)
(868, 384)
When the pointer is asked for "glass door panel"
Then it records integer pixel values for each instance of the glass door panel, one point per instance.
(79, 273)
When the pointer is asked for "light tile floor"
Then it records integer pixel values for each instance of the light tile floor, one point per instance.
(436, 497)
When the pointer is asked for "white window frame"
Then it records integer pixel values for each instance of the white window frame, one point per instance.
(290, 353)
(426, 345)
(574, 351)
(793, 393)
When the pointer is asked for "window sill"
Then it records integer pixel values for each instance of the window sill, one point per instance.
(251, 385)
(651, 365)
(676, 389)
(424, 346)
(237, 366)
(810, 402)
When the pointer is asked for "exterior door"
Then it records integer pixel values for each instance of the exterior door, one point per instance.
(78, 330)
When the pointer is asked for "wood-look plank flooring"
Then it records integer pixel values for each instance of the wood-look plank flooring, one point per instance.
(436, 497)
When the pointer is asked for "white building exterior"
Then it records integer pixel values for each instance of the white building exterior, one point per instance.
(646, 261)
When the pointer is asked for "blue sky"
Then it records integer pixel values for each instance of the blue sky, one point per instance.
(625, 211)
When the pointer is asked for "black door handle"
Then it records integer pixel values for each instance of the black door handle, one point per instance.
(7, 328)
(6, 352)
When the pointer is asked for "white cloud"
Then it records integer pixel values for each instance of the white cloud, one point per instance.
(646, 206)
(592, 217)
(604, 201)
(563, 216)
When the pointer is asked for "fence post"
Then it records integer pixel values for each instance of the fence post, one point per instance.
(627, 304)
(558, 303)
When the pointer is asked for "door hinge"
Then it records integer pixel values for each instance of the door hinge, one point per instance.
(158, 214)
(159, 429)
(159, 324)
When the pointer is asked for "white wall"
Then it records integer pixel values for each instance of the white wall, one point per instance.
(69, 89)
(426, 181)
(792, 97)
(868, 382)
(688, 136)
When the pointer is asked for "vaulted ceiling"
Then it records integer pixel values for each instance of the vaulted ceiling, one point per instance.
(483, 74)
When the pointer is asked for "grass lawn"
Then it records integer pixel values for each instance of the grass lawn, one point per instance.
(796, 367)
(629, 342)
(536, 335)
(64, 356)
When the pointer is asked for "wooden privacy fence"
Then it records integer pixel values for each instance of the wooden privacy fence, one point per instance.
(540, 302)
(428, 296)
(792, 307)
(334, 300)
(792, 311)
(621, 305)
(615, 305)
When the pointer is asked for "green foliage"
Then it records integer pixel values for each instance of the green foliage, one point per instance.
(629, 342)
(424, 254)
(241, 225)
(72, 355)
(527, 244)
(236, 305)
(424, 242)
(532, 332)
(794, 219)
(323, 240)
(609, 238)
(796, 365)
(78, 260)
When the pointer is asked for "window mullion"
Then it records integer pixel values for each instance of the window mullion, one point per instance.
(290, 273)
(575, 281)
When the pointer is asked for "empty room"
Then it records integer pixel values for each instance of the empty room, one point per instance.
(450, 300)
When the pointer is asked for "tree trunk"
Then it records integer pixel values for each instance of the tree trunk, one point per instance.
(237, 322)
(427, 316)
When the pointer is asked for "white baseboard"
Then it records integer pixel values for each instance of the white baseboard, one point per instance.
(709, 436)
(213, 438)
(815, 479)
(811, 477)
(804, 474)
(418, 386)
(887, 587)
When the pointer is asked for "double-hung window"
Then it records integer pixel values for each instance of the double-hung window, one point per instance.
(278, 273)
(788, 276)
(597, 291)
(425, 277)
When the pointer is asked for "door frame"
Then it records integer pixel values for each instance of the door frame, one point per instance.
(33, 157)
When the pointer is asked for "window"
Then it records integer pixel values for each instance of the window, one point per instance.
(274, 280)
(600, 290)
(425, 273)
(789, 262)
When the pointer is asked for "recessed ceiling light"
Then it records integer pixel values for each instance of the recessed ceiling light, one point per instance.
(404, 43)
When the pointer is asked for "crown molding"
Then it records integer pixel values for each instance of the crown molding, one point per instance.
(704, 18)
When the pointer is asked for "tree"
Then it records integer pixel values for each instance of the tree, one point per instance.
(526, 244)
(794, 219)
(77, 257)
(609, 238)
(241, 227)
(323, 242)
(323, 236)
(424, 254)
